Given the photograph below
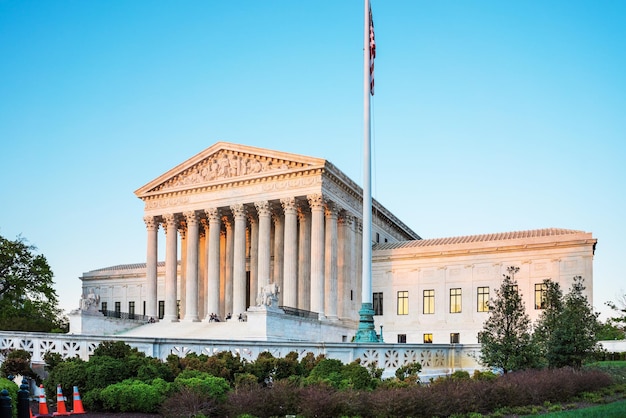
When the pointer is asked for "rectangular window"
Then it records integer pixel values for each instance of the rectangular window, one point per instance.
(454, 338)
(483, 299)
(161, 309)
(455, 300)
(118, 309)
(428, 338)
(104, 308)
(403, 302)
(401, 338)
(540, 295)
(144, 308)
(377, 298)
(429, 301)
(131, 310)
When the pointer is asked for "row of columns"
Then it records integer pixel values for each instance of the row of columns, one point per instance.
(316, 267)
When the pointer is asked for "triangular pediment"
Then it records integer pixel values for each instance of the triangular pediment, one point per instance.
(225, 163)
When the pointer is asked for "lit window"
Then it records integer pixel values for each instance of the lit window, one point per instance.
(483, 299)
(454, 338)
(402, 338)
(403, 302)
(428, 338)
(377, 298)
(455, 300)
(429, 301)
(541, 290)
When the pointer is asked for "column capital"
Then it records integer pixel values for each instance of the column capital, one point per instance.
(191, 218)
(289, 205)
(346, 219)
(169, 220)
(239, 210)
(316, 200)
(331, 209)
(263, 208)
(151, 222)
(212, 214)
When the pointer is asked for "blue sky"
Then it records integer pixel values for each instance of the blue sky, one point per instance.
(489, 116)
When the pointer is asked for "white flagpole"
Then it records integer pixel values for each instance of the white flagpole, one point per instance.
(366, 331)
(366, 296)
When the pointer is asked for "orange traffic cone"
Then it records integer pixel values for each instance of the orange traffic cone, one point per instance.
(78, 403)
(60, 403)
(43, 406)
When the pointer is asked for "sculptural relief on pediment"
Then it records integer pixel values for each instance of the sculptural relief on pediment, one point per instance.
(226, 165)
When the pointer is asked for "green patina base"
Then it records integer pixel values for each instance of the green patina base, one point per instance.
(366, 332)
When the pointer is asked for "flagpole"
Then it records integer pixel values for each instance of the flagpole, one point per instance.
(366, 332)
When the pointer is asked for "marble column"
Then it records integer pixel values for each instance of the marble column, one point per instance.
(345, 286)
(152, 228)
(254, 257)
(304, 259)
(265, 224)
(171, 266)
(228, 265)
(181, 303)
(279, 253)
(330, 272)
(316, 201)
(213, 261)
(202, 265)
(191, 276)
(239, 260)
(290, 263)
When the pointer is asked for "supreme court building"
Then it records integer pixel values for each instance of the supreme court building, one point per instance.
(271, 242)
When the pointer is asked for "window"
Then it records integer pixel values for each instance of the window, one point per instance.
(454, 338)
(428, 338)
(161, 309)
(144, 308)
(455, 300)
(377, 298)
(118, 309)
(541, 290)
(403, 302)
(429, 301)
(402, 338)
(104, 308)
(483, 299)
(131, 310)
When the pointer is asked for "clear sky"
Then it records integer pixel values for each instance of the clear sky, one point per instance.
(489, 116)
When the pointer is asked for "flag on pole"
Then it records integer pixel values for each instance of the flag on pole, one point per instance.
(372, 52)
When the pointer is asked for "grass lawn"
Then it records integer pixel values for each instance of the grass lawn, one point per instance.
(612, 410)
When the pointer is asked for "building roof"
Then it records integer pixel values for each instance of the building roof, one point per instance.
(500, 236)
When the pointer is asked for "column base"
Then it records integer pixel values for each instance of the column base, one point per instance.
(366, 332)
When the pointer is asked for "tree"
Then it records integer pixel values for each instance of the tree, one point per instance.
(567, 330)
(506, 337)
(28, 301)
(619, 308)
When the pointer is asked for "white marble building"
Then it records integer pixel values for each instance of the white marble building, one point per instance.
(244, 218)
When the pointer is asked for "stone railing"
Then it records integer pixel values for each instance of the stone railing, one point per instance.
(436, 359)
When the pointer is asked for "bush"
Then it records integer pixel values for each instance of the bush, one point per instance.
(17, 362)
(12, 388)
(132, 396)
(204, 384)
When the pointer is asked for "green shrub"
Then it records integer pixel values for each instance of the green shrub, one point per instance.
(12, 388)
(204, 384)
(484, 375)
(132, 396)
